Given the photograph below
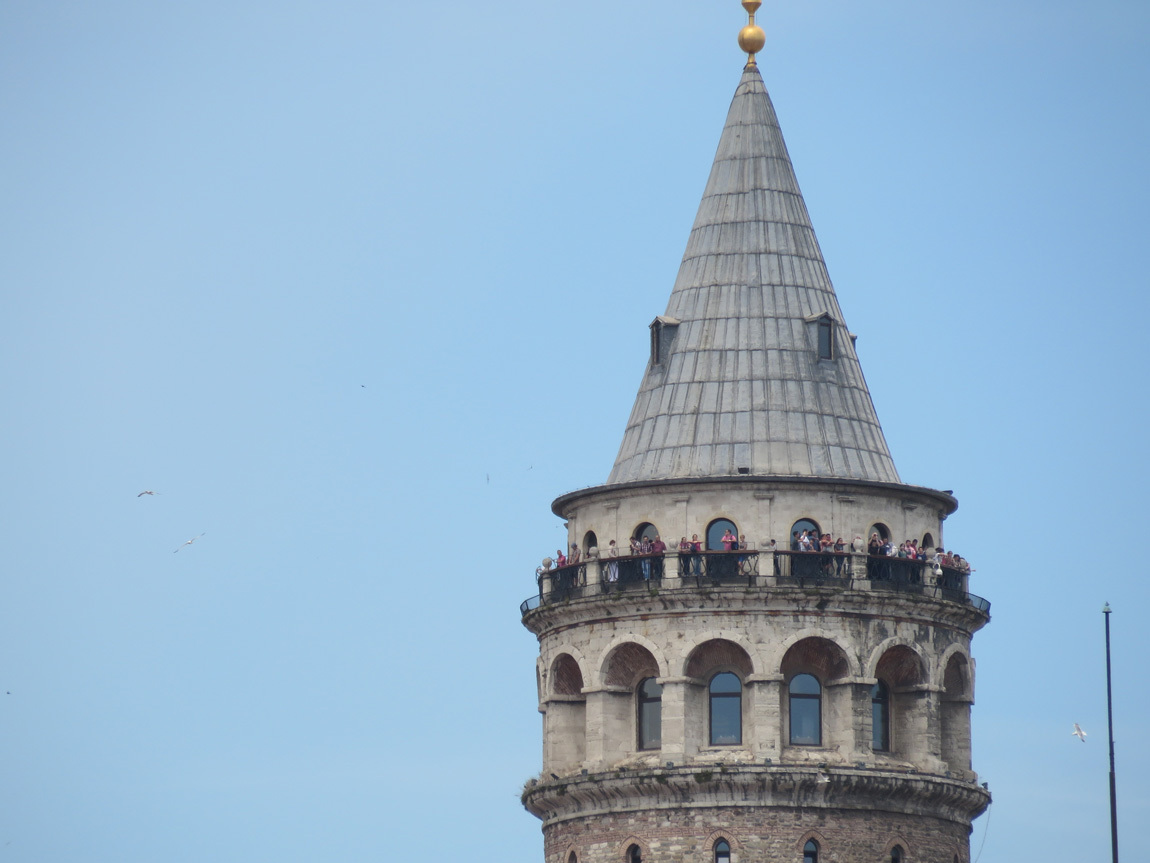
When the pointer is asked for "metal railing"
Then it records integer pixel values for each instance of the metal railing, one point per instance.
(749, 568)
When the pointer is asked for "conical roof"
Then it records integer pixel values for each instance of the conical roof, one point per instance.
(738, 381)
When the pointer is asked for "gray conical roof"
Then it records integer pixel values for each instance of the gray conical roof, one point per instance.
(740, 387)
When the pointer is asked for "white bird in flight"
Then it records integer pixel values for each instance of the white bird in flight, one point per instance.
(189, 542)
(1078, 732)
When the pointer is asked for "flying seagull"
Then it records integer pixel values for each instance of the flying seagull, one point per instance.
(141, 494)
(1078, 732)
(189, 542)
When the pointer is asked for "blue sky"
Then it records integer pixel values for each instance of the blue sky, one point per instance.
(359, 288)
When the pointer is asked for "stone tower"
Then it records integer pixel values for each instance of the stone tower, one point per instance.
(738, 702)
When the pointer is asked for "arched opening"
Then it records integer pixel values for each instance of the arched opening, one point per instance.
(896, 854)
(566, 678)
(880, 717)
(634, 855)
(565, 717)
(798, 528)
(901, 672)
(646, 531)
(629, 670)
(811, 852)
(572, 858)
(957, 696)
(649, 722)
(726, 697)
(805, 695)
(590, 541)
(718, 532)
(809, 666)
(927, 540)
(881, 529)
(722, 851)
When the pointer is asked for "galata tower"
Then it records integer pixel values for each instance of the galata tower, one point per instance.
(758, 649)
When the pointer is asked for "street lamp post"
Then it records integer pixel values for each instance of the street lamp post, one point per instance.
(1110, 720)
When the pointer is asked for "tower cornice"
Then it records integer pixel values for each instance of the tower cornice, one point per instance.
(747, 484)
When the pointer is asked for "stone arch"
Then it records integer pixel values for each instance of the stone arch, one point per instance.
(576, 655)
(888, 849)
(566, 675)
(715, 835)
(808, 836)
(955, 674)
(714, 654)
(627, 664)
(898, 663)
(571, 855)
(641, 641)
(625, 847)
(735, 638)
(817, 655)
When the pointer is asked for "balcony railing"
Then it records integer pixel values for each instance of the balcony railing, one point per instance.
(748, 568)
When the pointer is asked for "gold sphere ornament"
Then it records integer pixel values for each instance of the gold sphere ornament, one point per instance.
(752, 39)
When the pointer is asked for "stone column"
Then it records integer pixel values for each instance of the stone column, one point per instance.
(764, 695)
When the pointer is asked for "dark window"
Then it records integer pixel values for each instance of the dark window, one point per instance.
(726, 709)
(826, 329)
(634, 855)
(811, 852)
(715, 531)
(806, 711)
(571, 858)
(650, 714)
(896, 854)
(722, 851)
(880, 719)
(590, 541)
(927, 541)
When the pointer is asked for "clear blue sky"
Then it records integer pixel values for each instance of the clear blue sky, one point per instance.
(358, 288)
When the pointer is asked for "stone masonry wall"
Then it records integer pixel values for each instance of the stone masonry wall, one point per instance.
(756, 836)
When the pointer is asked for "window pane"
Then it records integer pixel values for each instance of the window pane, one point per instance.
(805, 721)
(726, 720)
(726, 682)
(805, 684)
(650, 714)
(880, 717)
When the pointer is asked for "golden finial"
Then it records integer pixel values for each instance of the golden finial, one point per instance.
(752, 38)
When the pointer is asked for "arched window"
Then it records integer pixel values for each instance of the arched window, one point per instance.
(650, 720)
(880, 720)
(806, 711)
(722, 851)
(715, 531)
(572, 858)
(726, 709)
(646, 529)
(797, 531)
(634, 855)
(927, 541)
(896, 854)
(811, 852)
(590, 541)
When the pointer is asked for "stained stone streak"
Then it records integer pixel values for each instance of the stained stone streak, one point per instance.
(741, 388)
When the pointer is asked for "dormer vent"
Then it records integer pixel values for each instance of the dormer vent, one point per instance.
(663, 330)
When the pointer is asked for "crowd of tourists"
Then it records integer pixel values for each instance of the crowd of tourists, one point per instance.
(690, 551)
